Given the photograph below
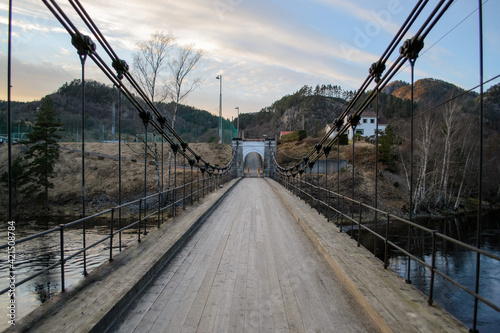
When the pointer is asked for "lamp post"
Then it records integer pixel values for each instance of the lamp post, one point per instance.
(219, 77)
(238, 126)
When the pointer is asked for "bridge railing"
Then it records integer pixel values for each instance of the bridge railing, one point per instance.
(145, 213)
(357, 218)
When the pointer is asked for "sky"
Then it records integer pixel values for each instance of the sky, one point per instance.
(264, 49)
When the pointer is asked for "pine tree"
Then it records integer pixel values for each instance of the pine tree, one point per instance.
(386, 148)
(43, 151)
(18, 178)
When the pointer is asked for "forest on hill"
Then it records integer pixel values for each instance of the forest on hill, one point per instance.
(312, 108)
(446, 146)
(446, 130)
(101, 116)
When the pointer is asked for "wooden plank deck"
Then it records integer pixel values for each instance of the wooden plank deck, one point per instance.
(393, 305)
(96, 301)
(250, 268)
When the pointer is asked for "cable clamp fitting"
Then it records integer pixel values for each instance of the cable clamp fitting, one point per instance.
(121, 67)
(83, 44)
(411, 48)
(146, 117)
(376, 70)
(354, 120)
(175, 147)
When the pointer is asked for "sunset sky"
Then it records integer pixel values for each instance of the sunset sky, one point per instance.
(263, 49)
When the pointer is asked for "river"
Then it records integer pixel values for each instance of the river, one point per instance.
(37, 254)
(455, 261)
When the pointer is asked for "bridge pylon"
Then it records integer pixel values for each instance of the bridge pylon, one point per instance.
(261, 147)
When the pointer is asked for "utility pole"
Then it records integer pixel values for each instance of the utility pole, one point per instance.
(219, 77)
(238, 126)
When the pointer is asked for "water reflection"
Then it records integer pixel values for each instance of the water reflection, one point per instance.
(453, 260)
(36, 255)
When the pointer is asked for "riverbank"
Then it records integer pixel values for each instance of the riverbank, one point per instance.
(101, 180)
(392, 188)
(101, 177)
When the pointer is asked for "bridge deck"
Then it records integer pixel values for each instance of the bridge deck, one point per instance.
(250, 268)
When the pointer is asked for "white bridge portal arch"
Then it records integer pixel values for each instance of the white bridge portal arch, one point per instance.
(262, 147)
(253, 147)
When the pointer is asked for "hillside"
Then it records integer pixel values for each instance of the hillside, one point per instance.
(101, 178)
(309, 109)
(427, 91)
(446, 150)
(101, 105)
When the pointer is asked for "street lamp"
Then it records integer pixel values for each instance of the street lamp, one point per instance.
(219, 77)
(238, 127)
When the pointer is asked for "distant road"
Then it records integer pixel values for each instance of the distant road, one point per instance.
(253, 164)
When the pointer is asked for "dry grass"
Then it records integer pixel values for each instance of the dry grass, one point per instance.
(391, 187)
(101, 174)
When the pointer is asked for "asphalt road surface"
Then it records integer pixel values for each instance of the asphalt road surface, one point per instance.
(253, 165)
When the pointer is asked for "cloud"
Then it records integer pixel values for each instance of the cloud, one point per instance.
(264, 49)
(32, 81)
(382, 17)
(262, 46)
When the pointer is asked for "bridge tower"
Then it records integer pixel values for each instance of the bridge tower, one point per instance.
(261, 147)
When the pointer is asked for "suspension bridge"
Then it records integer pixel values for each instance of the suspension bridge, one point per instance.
(222, 251)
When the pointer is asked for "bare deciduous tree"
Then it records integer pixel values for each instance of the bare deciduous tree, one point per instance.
(163, 72)
(449, 129)
(151, 62)
(179, 85)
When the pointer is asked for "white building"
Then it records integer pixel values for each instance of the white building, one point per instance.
(367, 124)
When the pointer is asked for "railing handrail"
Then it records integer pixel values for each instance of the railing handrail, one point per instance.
(209, 186)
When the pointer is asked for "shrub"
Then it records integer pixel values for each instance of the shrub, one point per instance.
(294, 136)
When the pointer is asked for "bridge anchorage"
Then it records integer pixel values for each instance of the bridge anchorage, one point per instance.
(253, 158)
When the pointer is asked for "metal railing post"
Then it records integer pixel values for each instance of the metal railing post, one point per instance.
(174, 196)
(386, 243)
(342, 213)
(198, 184)
(159, 209)
(84, 251)
(145, 214)
(61, 244)
(120, 166)
(140, 221)
(327, 151)
(191, 164)
(408, 271)
(338, 183)
(203, 183)
(359, 223)
(318, 192)
(111, 234)
(184, 181)
(433, 267)
(145, 120)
